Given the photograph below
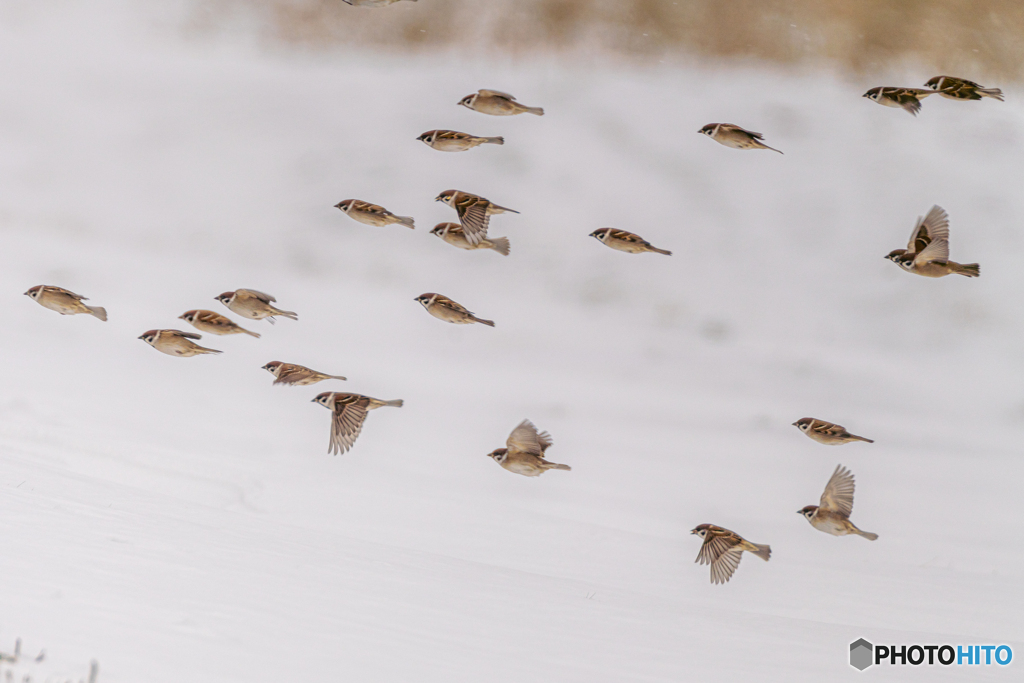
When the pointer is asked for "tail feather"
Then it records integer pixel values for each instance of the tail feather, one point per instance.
(494, 141)
(556, 466)
(666, 252)
(98, 312)
(861, 438)
(341, 378)
(771, 148)
(969, 270)
(251, 334)
(536, 111)
(397, 403)
(868, 535)
(500, 245)
(489, 323)
(286, 314)
(994, 93)
(407, 221)
(203, 349)
(763, 551)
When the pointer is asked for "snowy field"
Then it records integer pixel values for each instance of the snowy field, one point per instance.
(181, 520)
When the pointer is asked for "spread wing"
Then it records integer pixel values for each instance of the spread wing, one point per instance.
(938, 250)
(265, 298)
(723, 568)
(756, 136)
(496, 93)
(527, 439)
(346, 423)
(474, 219)
(933, 226)
(838, 495)
(714, 547)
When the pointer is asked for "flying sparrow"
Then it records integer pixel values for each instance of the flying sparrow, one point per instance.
(905, 98)
(474, 212)
(349, 413)
(63, 301)
(371, 214)
(175, 343)
(214, 323)
(454, 141)
(445, 309)
(723, 550)
(826, 432)
(497, 104)
(933, 226)
(372, 3)
(833, 514)
(620, 240)
(249, 303)
(296, 375)
(962, 89)
(927, 253)
(731, 135)
(525, 452)
(452, 234)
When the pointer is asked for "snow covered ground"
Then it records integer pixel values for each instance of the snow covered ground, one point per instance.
(181, 519)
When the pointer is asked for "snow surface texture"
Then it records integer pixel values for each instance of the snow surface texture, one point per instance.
(180, 519)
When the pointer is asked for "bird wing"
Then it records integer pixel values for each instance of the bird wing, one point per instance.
(838, 495)
(756, 136)
(723, 568)
(445, 302)
(938, 250)
(628, 237)
(186, 335)
(496, 93)
(474, 219)
(828, 428)
(715, 545)
(346, 423)
(291, 373)
(68, 292)
(265, 298)
(933, 226)
(526, 439)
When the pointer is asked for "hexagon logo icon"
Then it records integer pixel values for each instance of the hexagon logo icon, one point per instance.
(861, 654)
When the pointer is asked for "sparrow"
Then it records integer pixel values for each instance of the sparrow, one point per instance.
(372, 3)
(249, 303)
(497, 104)
(454, 141)
(962, 89)
(445, 309)
(474, 212)
(371, 214)
(349, 413)
(927, 253)
(525, 450)
(452, 234)
(723, 550)
(833, 514)
(826, 432)
(214, 323)
(731, 135)
(296, 375)
(906, 98)
(64, 301)
(175, 343)
(620, 240)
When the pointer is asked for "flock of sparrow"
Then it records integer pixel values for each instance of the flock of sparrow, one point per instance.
(927, 254)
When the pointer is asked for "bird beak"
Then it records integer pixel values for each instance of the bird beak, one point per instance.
(795, 424)
(142, 336)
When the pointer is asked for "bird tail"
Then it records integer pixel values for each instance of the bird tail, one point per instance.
(771, 148)
(494, 141)
(666, 252)
(536, 111)
(337, 377)
(251, 334)
(861, 438)
(994, 93)
(867, 534)
(556, 466)
(397, 403)
(968, 269)
(98, 312)
(203, 349)
(763, 551)
(500, 245)
(501, 209)
(489, 323)
(407, 221)
(286, 314)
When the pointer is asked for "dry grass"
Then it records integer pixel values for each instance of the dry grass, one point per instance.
(979, 38)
